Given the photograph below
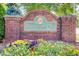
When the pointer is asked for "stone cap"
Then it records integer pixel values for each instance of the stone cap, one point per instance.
(11, 17)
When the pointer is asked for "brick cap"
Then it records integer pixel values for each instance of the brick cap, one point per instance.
(12, 16)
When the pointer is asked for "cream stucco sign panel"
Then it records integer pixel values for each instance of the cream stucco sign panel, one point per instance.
(40, 24)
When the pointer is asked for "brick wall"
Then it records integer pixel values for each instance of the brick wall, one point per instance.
(14, 27)
(36, 35)
(69, 28)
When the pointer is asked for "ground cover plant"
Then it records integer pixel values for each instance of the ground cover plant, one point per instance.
(40, 48)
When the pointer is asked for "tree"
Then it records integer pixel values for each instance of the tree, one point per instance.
(58, 8)
(65, 9)
(3, 8)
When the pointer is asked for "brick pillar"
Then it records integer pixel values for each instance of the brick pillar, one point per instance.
(69, 28)
(12, 28)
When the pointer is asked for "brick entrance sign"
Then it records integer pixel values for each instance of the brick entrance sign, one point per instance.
(40, 24)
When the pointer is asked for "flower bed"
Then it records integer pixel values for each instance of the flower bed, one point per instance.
(40, 47)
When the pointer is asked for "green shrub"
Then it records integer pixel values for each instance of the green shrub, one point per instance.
(56, 49)
(2, 22)
(14, 50)
(44, 48)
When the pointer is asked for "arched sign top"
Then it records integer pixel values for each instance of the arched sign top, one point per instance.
(31, 15)
(40, 22)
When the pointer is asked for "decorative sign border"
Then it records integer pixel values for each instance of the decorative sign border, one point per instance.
(40, 25)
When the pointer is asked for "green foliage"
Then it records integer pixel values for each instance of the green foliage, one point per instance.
(44, 48)
(56, 49)
(17, 48)
(2, 13)
(58, 8)
(14, 50)
(65, 9)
